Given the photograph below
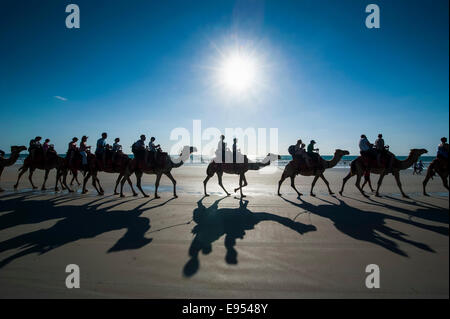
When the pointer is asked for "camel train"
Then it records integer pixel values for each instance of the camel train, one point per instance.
(162, 164)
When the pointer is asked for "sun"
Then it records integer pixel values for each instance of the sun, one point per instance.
(238, 72)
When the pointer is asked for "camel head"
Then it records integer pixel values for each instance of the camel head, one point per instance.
(271, 158)
(341, 153)
(417, 152)
(18, 149)
(187, 150)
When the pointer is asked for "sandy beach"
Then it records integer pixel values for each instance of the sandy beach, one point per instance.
(220, 247)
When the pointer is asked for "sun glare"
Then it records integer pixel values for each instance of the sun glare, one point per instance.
(238, 72)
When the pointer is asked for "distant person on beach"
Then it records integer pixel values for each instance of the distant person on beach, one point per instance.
(34, 145)
(138, 148)
(2, 154)
(101, 148)
(84, 149)
(72, 149)
(442, 152)
(420, 167)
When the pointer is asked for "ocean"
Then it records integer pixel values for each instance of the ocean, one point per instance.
(204, 160)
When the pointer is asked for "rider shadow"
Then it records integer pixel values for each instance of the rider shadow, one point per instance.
(75, 222)
(213, 222)
(369, 226)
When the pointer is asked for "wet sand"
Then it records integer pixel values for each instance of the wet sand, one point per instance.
(220, 247)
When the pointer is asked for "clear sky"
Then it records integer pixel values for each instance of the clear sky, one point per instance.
(147, 67)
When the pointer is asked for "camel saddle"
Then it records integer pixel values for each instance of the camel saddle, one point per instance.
(300, 163)
(232, 166)
(159, 162)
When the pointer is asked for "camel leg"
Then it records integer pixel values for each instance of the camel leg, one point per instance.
(65, 181)
(370, 184)
(283, 177)
(47, 171)
(94, 183)
(85, 180)
(131, 186)
(97, 181)
(425, 182)
(293, 186)
(241, 179)
(138, 183)
(122, 182)
(219, 177)
(158, 178)
(312, 185)
(58, 179)
(326, 183)
(380, 180)
(1, 171)
(358, 183)
(204, 184)
(30, 177)
(22, 170)
(245, 184)
(117, 183)
(174, 182)
(444, 181)
(397, 179)
(346, 178)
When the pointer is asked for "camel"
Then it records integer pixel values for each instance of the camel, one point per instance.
(52, 161)
(4, 162)
(135, 166)
(439, 166)
(237, 169)
(359, 168)
(292, 169)
(93, 167)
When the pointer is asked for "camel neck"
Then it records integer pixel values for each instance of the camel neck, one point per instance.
(333, 162)
(408, 162)
(11, 160)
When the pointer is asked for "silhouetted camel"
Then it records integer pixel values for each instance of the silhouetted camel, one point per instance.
(95, 165)
(214, 222)
(4, 162)
(52, 161)
(293, 168)
(138, 167)
(439, 166)
(359, 168)
(237, 169)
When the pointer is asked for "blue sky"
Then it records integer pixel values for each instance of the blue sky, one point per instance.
(147, 67)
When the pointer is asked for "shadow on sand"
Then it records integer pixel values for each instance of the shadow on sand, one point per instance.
(74, 222)
(370, 226)
(213, 222)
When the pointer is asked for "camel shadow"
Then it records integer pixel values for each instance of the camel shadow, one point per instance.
(370, 226)
(214, 222)
(74, 222)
